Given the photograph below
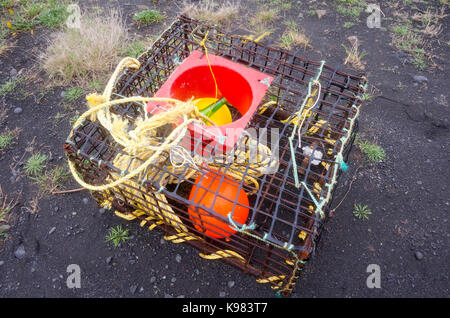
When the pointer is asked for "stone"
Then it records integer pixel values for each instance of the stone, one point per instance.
(133, 289)
(178, 258)
(13, 72)
(418, 255)
(17, 110)
(231, 284)
(52, 230)
(420, 78)
(19, 252)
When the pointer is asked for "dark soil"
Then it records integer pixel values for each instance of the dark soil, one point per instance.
(408, 192)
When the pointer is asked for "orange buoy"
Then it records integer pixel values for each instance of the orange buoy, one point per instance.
(220, 196)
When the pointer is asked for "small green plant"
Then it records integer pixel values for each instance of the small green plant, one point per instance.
(373, 152)
(35, 164)
(73, 94)
(4, 45)
(293, 37)
(419, 62)
(354, 57)
(348, 24)
(366, 96)
(135, 49)
(9, 86)
(96, 85)
(148, 17)
(284, 5)
(6, 139)
(54, 16)
(361, 211)
(32, 10)
(5, 208)
(117, 235)
(52, 179)
(410, 40)
(73, 119)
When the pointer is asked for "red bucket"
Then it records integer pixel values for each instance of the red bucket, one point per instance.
(243, 87)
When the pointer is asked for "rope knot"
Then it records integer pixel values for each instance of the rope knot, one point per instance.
(94, 100)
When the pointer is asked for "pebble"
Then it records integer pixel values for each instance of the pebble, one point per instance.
(13, 72)
(178, 258)
(418, 255)
(108, 259)
(173, 280)
(52, 230)
(222, 294)
(152, 279)
(63, 94)
(102, 210)
(85, 200)
(133, 289)
(17, 110)
(420, 78)
(56, 209)
(20, 252)
(1, 263)
(230, 284)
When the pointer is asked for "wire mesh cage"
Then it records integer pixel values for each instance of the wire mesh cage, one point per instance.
(260, 208)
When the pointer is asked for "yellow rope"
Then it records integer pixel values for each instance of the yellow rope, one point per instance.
(221, 254)
(270, 279)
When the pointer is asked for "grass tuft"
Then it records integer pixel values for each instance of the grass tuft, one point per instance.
(293, 37)
(35, 164)
(8, 87)
(54, 16)
(354, 57)
(221, 13)
(148, 17)
(135, 49)
(361, 211)
(6, 139)
(73, 94)
(117, 235)
(91, 52)
(52, 179)
(373, 152)
(263, 18)
(351, 8)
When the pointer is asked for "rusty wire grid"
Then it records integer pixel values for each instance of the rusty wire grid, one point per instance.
(285, 221)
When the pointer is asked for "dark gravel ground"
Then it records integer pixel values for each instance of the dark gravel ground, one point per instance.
(406, 235)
